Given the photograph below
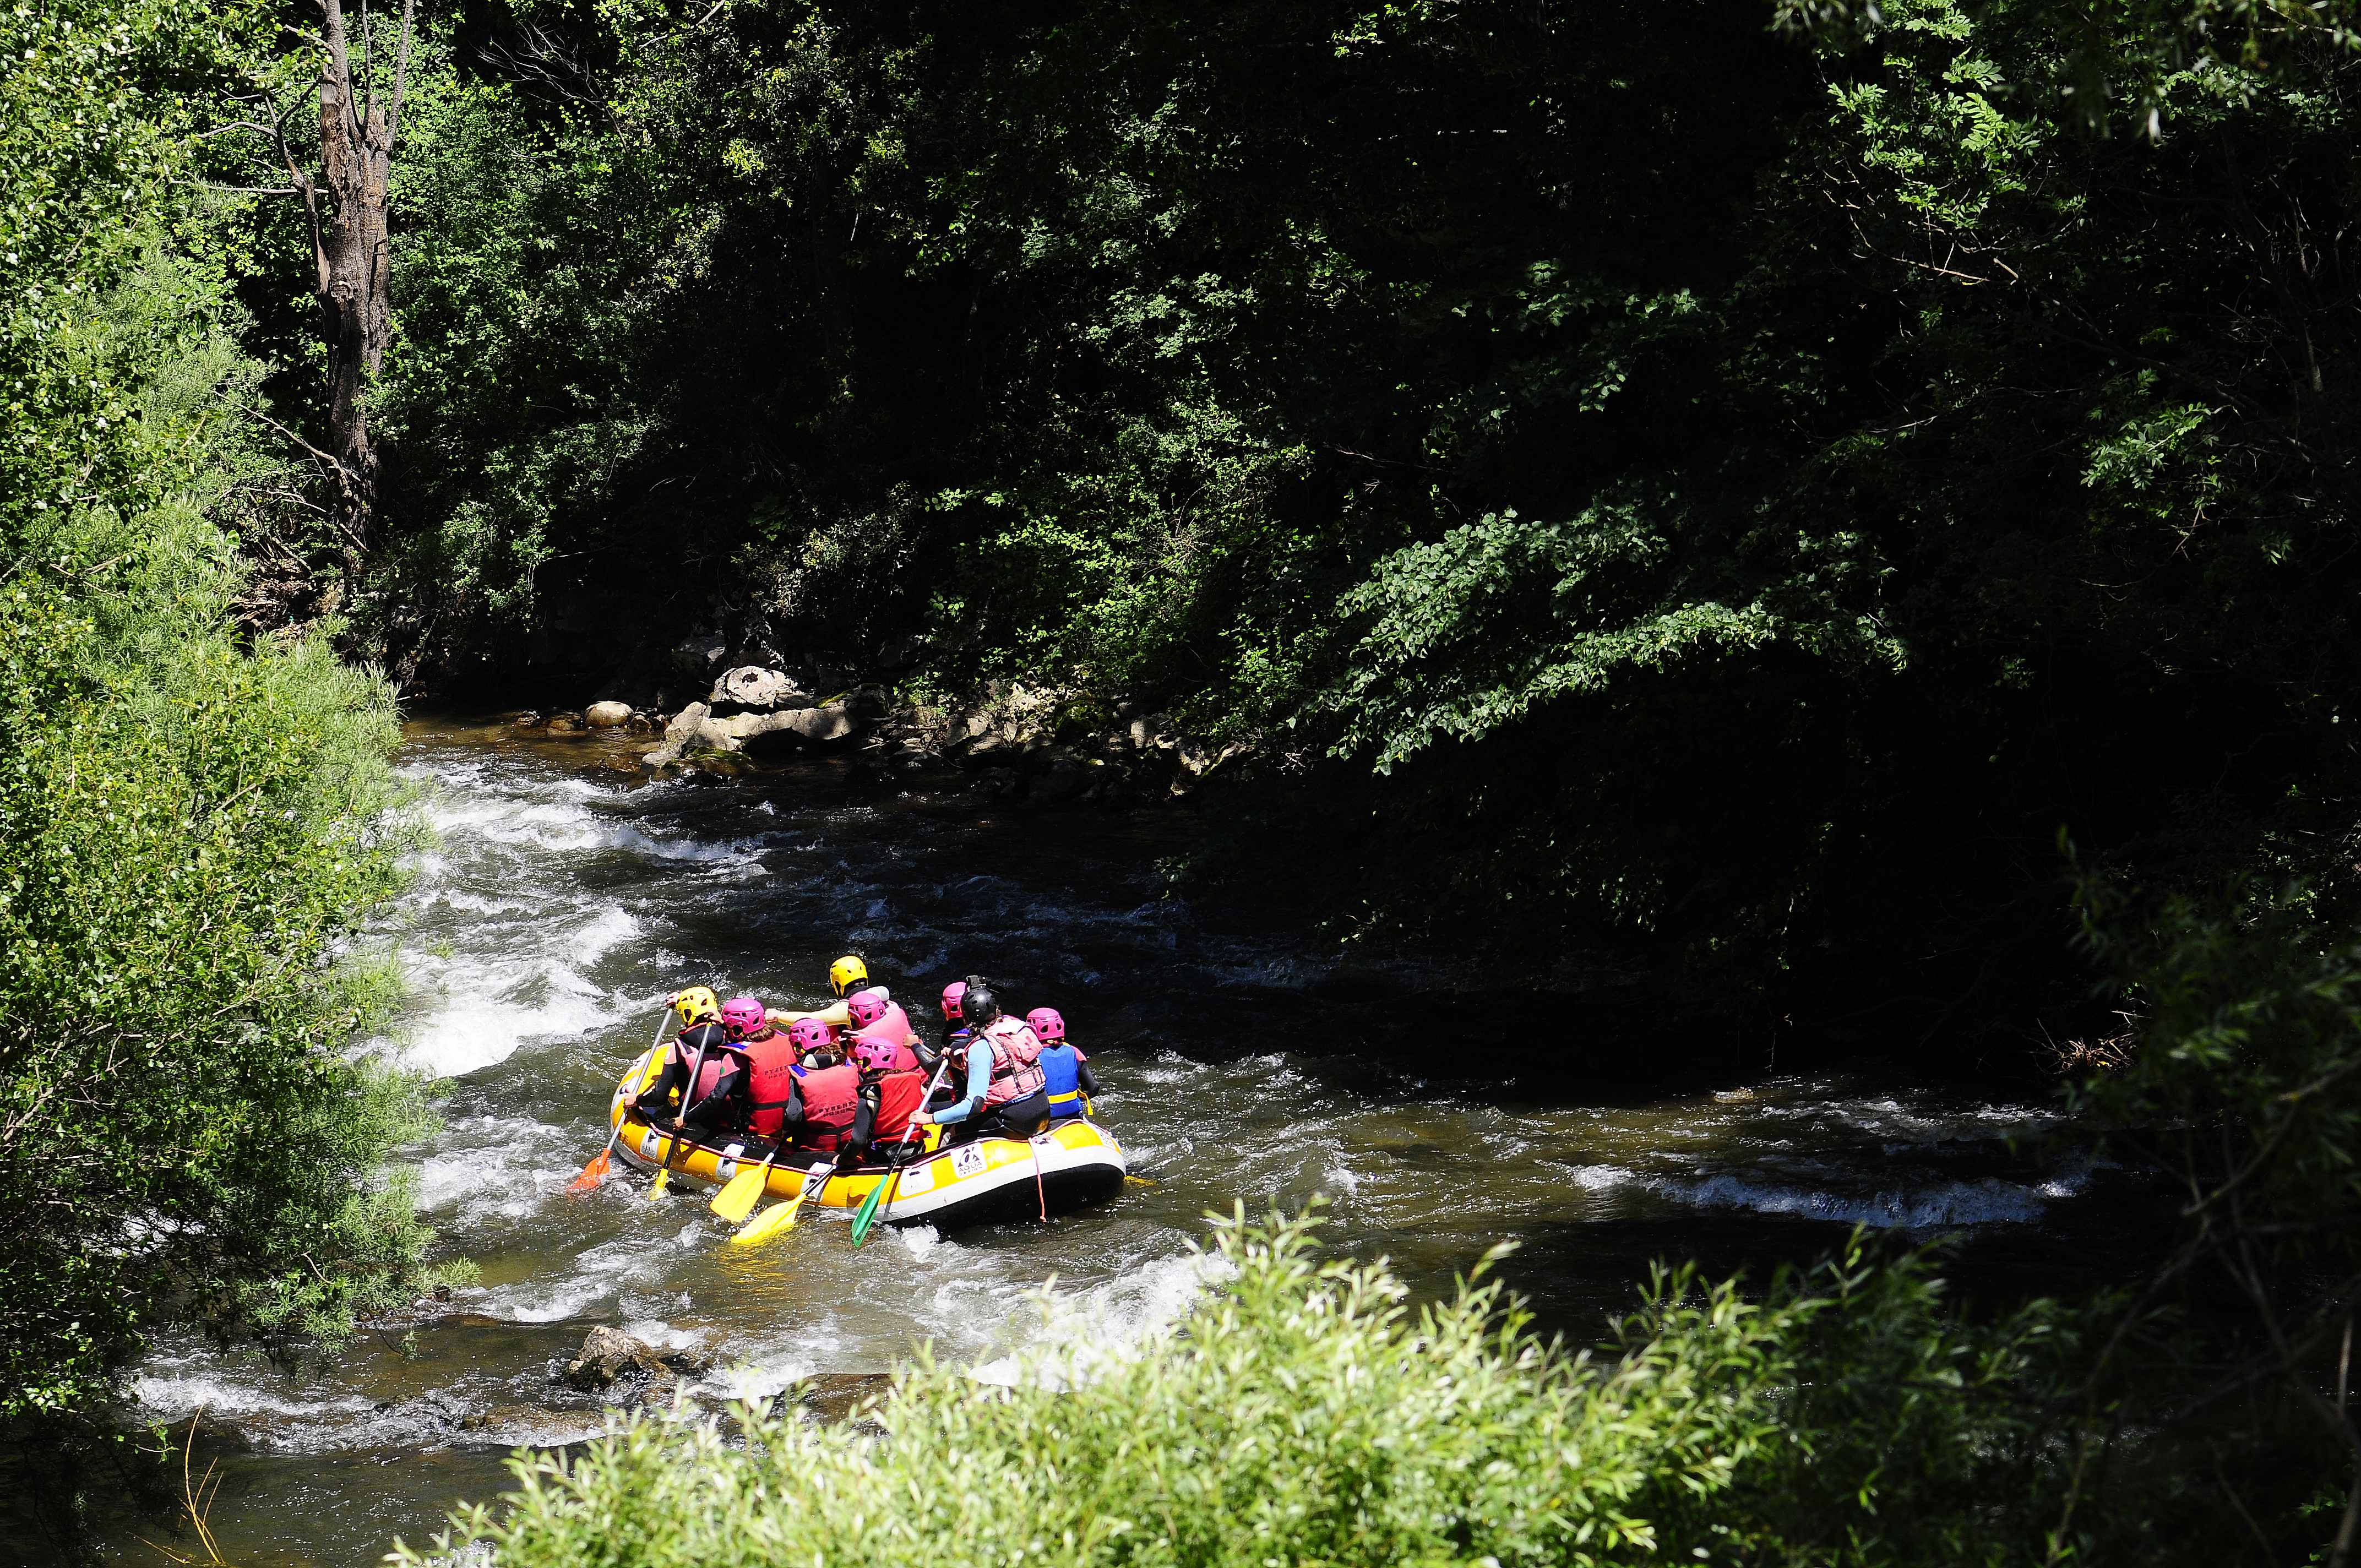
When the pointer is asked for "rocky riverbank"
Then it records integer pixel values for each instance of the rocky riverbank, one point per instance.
(1011, 743)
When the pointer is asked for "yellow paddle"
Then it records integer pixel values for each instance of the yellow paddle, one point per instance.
(664, 1177)
(738, 1198)
(780, 1218)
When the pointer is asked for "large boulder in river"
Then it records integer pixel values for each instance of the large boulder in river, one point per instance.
(752, 688)
(609, 1356)
(762, 734)
(694, 729)
(606, 714)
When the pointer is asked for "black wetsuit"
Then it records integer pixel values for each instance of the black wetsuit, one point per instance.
(718, 1113)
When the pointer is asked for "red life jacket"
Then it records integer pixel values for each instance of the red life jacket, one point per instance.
(773, 1059)
(831, 1099)
(899, 1095)
(1015, 1060)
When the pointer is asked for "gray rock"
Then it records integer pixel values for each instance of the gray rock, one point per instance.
(700, 651)
(768, 734)
(753, 688)
(606, 714)
(687, 722)
(609, 1356)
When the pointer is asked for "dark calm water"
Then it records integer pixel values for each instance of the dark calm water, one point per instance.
(566, 894)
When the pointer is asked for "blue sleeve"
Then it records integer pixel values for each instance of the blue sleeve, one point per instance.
(979, 1080)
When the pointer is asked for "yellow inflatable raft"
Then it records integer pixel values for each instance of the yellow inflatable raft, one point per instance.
(1074, 1164)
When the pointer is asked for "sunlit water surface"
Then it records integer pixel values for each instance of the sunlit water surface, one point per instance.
(565, 896)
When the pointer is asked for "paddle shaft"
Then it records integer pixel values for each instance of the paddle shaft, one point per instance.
(664, 1022)
(893, 1182)
(696, 1065)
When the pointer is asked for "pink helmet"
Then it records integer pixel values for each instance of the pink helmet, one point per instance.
(810, 1035)
(872, 1055)
(864, 1008)
(744, 1014)
(953, 994)
(1046, 1024)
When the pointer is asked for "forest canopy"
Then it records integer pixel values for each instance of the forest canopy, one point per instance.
(1726, 487)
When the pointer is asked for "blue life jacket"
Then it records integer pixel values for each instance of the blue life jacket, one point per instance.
(1062, 1068)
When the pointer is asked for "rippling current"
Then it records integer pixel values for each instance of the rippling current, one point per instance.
(565, 896)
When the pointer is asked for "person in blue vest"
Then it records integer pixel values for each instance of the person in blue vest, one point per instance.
(1067, 1070)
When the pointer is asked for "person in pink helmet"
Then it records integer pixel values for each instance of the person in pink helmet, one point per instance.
(1004, 1097)
(1065, 1072)
(872, 1016)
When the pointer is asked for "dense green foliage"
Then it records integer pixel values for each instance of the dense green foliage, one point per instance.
(1659, 480)
(1303, 1414)
(1641, 476)
(190, 825)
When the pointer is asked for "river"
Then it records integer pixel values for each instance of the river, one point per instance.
(565, 894)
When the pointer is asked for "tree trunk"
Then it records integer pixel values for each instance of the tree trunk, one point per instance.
(349, 246)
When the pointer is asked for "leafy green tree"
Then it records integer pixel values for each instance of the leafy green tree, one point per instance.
(193, 824)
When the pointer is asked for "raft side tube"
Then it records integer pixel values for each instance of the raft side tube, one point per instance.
(1073, 1165)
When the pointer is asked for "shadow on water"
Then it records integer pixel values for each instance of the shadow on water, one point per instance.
(1245, 1062)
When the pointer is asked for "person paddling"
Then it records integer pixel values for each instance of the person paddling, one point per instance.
(1065, 1070)
(701, 1087)
(826, 1098)
(890, 1097)
(1005, 1081)
(771, 1054)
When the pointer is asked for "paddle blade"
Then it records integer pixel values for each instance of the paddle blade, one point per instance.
(592, 1175)
(777, 1219)
(737, 1199)
(867, 1214)
(656, 1187)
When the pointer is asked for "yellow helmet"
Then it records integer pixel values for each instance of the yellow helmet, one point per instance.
(698, 1002)
(847, 973)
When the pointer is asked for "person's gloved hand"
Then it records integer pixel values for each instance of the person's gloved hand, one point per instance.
(847, 1159)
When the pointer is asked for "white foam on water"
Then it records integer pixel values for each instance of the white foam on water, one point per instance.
(175, 1396)
(1075, 1336)
(752, 1380)
(602, 1273)
(1939, 1207)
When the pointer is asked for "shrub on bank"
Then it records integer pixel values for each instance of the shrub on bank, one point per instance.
(1304, 1413)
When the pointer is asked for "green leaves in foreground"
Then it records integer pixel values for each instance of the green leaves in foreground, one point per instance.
(1304, 1413)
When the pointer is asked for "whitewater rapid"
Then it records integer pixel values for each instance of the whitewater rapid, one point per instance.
(563, 897)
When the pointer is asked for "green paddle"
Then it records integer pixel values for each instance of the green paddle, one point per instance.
(880, 1194)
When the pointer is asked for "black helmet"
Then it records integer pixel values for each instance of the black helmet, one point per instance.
(979, 1007)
